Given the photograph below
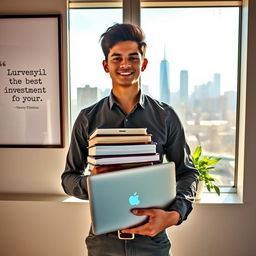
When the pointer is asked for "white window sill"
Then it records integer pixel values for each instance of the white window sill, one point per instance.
(29, 197)
(224, 198)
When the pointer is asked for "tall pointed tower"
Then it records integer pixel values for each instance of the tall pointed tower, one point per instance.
(164, 80)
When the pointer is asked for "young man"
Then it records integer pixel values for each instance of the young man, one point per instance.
(124, 49)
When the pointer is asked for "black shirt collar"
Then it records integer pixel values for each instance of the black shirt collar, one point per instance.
(113, 101)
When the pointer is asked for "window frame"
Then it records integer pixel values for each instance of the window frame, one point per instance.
(131, 14)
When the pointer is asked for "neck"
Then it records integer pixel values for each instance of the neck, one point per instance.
(127, 97)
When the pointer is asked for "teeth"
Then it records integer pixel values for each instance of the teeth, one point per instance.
(125, 74)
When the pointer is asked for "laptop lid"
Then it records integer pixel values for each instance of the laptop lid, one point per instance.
(113, 195)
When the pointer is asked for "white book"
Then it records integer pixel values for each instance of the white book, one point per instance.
(118, 131)
(132, 149)
(122, 159)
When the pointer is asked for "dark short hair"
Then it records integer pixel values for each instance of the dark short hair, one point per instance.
(122, 32)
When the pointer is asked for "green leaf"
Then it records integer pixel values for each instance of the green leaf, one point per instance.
(217, 190)
(213, 161)
(205, 164)
(197, 153)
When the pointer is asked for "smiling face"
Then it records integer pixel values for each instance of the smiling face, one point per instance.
(124, 64)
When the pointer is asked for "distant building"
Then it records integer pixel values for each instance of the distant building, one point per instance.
(87, 96)
(106, 92)
(216, 86)
(207, 96)
(164, 81)
(145, 89)
(184, 86)
(231, 98)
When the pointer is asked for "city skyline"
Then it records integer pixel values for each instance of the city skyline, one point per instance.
(201, 48)
(167, 81)
(212, 87)
(89, 94)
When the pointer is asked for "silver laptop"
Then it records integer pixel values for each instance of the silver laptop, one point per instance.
(113, 195)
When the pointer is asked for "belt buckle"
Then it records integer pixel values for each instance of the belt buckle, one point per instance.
(125, 236)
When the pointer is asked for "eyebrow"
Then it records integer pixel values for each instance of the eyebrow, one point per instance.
(130, 54)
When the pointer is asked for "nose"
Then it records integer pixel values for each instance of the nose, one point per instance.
(125, 64)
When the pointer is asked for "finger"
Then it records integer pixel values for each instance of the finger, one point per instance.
(146, 230)
(141, 230)
(144, 212)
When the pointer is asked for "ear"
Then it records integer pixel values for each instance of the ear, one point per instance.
(105, 66)
(144, 64)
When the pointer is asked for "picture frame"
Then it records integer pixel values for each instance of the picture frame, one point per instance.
(30, 81)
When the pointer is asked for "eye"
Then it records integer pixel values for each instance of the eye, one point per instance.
(116, 59)
(134, 59)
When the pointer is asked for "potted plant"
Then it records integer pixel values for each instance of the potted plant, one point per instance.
(205, 164)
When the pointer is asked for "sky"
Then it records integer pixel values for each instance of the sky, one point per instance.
(203, 41)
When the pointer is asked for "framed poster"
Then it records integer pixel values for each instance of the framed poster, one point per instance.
(30, 81)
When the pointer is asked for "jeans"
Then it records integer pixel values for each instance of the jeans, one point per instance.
(110, 245)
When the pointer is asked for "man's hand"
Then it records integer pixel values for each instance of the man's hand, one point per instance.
(158, 220)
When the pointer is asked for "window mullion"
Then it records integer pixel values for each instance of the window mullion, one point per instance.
(131, 11)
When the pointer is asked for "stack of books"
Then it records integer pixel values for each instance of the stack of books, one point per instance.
(126, 147)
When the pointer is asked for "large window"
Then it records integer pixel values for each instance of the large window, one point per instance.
(89, 82)
(193, 55)
(193, 67)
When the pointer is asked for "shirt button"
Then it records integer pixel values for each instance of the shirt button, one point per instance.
(126, 119)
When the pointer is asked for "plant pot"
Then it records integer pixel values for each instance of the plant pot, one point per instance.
(199, 191)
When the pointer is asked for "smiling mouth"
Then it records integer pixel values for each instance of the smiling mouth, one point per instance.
(125, 73)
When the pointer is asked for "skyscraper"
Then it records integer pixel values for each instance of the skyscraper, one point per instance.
(86, 96)
(164, 81)
(216, 85)
(184, 86)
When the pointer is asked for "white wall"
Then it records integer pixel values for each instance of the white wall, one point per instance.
(42, 227)
(36, 170)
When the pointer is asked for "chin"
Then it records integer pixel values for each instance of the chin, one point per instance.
(127, 85)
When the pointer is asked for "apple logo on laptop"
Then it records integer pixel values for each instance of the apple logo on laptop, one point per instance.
(134, 199)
